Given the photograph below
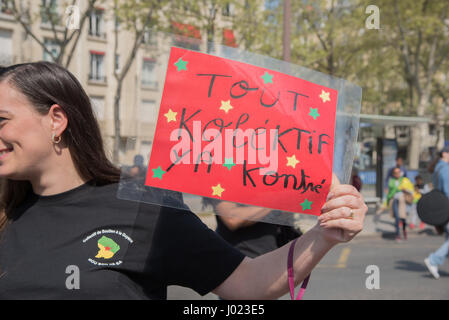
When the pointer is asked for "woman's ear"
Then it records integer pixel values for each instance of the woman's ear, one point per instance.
(58, 120)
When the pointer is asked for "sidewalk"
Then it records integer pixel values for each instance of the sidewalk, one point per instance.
(374, 225)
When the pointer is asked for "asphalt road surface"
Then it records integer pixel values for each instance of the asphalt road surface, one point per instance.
(344, 272)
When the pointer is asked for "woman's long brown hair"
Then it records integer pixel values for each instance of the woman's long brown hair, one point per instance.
(45, 84)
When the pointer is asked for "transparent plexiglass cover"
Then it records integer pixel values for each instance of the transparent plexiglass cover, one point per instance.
(244, 135)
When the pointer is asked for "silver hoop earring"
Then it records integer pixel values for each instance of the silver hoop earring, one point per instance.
(57, 140)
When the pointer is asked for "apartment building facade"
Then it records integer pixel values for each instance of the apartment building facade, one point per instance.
(94, 61)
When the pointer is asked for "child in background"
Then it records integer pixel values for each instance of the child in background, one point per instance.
(420, 189)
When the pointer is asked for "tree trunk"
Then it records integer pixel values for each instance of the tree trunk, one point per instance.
(416, 145)
(117, 134)
(419, 133)
(286, 53)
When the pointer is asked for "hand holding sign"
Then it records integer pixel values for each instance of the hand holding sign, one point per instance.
(237, 132)
(343, 214)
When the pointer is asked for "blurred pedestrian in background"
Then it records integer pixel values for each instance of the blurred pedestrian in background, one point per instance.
(355, 179)
(137, 170)
(400, 194)
(400, 165)
(420, 189)
(440, 181)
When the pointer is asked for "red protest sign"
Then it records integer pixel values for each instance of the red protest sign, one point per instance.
(237, 132)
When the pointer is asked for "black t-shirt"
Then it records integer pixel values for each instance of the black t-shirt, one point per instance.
(254, 240)
(122, 249)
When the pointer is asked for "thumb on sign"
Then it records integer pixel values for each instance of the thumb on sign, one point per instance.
(335, 181)
(343, 213)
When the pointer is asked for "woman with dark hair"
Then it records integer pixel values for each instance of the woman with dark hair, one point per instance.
(65, 234)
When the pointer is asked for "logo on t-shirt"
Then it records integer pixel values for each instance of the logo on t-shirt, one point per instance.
(107, 251)
(108, 248)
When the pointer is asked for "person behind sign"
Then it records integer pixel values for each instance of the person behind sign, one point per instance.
(243, 227)
(59, 213)
(239, 225)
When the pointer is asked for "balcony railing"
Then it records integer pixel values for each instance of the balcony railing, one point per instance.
(97, 78)
(147, 84)
(5, 7)
(97, 34)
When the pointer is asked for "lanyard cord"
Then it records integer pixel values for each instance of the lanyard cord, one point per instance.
(291, 275)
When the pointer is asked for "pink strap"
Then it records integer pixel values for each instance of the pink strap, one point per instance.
(291, 275)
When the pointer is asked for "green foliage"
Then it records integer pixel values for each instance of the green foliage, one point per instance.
(394, 65)
(135, 14)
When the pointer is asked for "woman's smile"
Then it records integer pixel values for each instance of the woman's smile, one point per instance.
(5, 152)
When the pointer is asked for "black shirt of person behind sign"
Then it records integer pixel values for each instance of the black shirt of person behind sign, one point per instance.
(253, 240)
(120, 249)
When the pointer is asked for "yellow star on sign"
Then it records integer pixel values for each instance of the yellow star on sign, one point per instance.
(226, 106)
(217, 190)
(170, 115)
(292, 161)
(325, 96)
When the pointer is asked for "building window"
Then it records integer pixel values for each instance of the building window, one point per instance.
(96, 24)
(97, 66)
(149, 78)
(126, 145)
(49, 12)
(145, 150)
(6, 6)
(53, 47)
(147, 111)
(6, 57)
(228, 10)
(98, 107)
(149, 38)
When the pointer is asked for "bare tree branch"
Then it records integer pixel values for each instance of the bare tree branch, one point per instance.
(79, 31)
(63, 43)
(18, 15)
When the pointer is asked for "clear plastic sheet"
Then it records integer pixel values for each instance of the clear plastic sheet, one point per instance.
(243, 65)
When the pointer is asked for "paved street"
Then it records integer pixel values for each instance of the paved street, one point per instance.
(341, 274)
(403, 274)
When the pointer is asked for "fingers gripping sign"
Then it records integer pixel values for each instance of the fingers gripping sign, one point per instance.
(343, 213)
